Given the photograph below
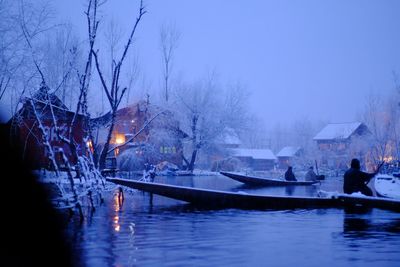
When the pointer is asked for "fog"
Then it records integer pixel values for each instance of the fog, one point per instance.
(312, 59)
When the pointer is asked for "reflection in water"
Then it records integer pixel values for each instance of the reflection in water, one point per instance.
(357, 227)
(118, 202)
(157, 231)
(311, 190)
(117, 227)
(290, 190)
(370, 238)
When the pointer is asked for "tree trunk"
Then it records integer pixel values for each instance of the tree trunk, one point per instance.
(104, 152)
(192, 161)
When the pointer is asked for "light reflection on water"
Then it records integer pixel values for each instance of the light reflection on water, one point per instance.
(155, 231)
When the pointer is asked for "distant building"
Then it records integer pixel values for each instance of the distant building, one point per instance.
(338, 142)
(256, 159)
(287, 156)
(229, 139)
(219, 156)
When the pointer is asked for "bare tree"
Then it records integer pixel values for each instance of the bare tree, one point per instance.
(206, 113)
(380, 122)
(197, 107)
(113, 90)
(10, 56)
(61, 57)
(133, 74)
(169, 40)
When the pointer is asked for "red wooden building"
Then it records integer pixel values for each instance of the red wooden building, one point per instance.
(25, 129)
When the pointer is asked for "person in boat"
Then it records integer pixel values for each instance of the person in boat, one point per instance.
(356, 180)
(311, 175)
(289, 175)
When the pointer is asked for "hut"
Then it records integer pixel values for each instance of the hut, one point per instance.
(56, 121)
(288, 156)
(338, 142)
(255, 159)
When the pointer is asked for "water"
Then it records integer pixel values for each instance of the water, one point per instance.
(155, 231)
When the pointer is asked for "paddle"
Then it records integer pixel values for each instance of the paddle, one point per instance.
(316, 167)
(379, 166)
(377, 170)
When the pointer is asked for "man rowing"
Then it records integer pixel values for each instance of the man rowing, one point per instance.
(356, 180)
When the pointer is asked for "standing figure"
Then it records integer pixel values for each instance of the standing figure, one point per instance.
(356, 180)
(289, 175)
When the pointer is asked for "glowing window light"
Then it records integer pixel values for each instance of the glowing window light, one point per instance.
(119, 139)
(89, 145)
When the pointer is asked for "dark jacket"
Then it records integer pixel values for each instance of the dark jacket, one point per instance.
(356, 180)
(311, 176)
(289, 175)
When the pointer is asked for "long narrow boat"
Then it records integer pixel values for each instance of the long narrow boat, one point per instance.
(258, 181)
(387, 186)
(223, 199)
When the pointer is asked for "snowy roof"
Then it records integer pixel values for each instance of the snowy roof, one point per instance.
(229, 137)
(288, 151)
(337, 131)
(254, 153)
(43, 96)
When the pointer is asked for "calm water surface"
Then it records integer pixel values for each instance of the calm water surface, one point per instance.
(156, 231)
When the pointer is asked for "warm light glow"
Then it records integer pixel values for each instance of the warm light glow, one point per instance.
(388, 159)
(119, 139)
(89, 145)
(117, 205)
(117, 226)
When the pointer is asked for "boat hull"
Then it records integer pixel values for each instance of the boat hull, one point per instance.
(387, 186)
(223, 199)
(258, 181)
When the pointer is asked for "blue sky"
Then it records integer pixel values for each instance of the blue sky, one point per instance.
(299, 59)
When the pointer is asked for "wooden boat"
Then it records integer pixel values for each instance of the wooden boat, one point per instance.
(387, 186)
(223, 199)
(258, 181)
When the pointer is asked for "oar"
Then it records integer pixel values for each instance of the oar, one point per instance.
(377, 170)
(316, 167)
(380, 165)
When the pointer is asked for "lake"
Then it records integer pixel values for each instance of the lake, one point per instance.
(149, 230)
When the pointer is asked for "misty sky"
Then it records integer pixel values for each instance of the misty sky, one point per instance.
(299, 59)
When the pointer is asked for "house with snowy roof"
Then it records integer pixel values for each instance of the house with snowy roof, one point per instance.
(256, 159)
(43, 120)
(288, 155)
(229, 139)
(160, 141)
(337, 142)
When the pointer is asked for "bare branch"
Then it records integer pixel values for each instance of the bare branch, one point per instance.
(139, 132)
(103, 82)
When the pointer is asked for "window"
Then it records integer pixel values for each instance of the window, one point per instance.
(167, 149)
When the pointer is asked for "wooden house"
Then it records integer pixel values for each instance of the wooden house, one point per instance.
(288, 156)
(52, 113)
(338, 142)
(255, 159)
(160, 141)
